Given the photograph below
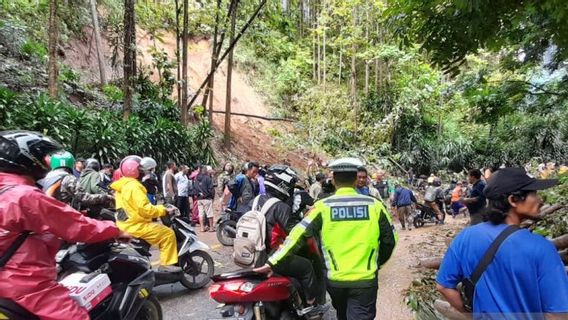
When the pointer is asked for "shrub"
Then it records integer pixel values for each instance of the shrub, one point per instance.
(151, 131)
(33, 49)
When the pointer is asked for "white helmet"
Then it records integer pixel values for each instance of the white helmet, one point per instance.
(148, 164)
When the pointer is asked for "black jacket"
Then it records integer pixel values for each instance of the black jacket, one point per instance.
(277, 215)
(204, 187)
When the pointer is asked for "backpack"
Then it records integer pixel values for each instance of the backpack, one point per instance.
(430, 194)
(250, 240)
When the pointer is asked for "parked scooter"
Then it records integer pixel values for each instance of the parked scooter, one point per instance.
(247, 295)
(196, 264)
(227, 226)
(117, 282)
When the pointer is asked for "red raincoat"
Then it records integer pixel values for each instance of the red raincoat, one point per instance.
(29, 277)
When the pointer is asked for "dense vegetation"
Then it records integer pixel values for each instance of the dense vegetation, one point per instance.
(153, 130)
(437, 84)
(430, 84)
(96, 128)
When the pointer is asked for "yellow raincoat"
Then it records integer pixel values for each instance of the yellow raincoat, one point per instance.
(131, 196)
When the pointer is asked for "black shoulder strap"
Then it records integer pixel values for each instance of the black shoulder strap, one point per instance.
(16, 244)
(490, 254)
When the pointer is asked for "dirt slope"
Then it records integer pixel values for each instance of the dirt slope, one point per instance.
(250, 138)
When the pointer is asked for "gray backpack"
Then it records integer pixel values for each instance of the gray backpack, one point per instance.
(250, 240)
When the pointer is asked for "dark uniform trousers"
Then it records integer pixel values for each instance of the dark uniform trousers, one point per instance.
(354, 303)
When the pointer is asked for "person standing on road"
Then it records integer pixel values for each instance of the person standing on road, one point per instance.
(476, 201)
(222, 181)
(403, 201)
(357, 238)
(244, 188)
(526, 278)
(205, 192)
(457, 194)
(381, 184)
(363, 185)
(183, 188)
(169, 185)
(316, 187)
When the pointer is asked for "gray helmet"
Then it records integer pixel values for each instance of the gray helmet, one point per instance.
(148, 164)
(93, 163)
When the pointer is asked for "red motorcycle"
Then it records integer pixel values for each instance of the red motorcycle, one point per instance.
(247, 295)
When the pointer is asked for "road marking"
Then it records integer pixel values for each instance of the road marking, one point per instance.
(216, 246)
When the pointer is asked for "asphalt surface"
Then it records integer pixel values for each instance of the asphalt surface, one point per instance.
(179, 303)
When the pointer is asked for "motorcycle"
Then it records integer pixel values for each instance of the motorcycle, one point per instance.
(227, 227)
(196, 264)
(247, 295)
(425, 214)
(111, 280)
(192, 254)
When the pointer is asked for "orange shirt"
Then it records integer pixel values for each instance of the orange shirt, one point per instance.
(456, 194)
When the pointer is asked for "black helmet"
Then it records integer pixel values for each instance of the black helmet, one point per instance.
(437, 182)
(26, 152)
(281, 179)
(93, 164)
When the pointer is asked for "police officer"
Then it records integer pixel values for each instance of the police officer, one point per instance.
(357, 238)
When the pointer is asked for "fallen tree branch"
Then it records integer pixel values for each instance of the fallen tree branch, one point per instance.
(431, 263)
(448, 311)
(560, 242)
(545, 210)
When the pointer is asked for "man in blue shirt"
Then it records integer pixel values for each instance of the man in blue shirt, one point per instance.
(526, 279)
(403, 200)
(362, 184)
(476, 201)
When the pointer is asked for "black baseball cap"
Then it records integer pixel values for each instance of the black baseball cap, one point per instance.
(508, 180)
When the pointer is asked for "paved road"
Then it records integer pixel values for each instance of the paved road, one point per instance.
(179, 303)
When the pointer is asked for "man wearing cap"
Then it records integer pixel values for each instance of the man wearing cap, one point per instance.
(525, 278)
(357, 238)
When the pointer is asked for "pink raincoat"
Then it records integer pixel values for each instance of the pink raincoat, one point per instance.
(29, 277)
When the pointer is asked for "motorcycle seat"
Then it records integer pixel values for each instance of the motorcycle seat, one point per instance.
(141, 246)
(11, 310)
(243, 273)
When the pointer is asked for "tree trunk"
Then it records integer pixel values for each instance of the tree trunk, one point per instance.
(214, 55)
(354, 69)
(227, 138)
(319, 53)
(129, 56)
(184, 71)
(367, 42)
(52, 70)
(448, 311)
(561, 242)
(98, 42)
(315, 55)
(430, 263)
(178, 57)
(324, 43)
(340, 64)
(301, 22)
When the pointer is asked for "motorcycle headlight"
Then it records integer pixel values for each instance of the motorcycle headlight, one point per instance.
(247, 287)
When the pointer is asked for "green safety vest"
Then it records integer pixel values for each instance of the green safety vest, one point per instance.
(349, 237)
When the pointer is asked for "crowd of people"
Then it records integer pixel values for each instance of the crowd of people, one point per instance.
(332, 231)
